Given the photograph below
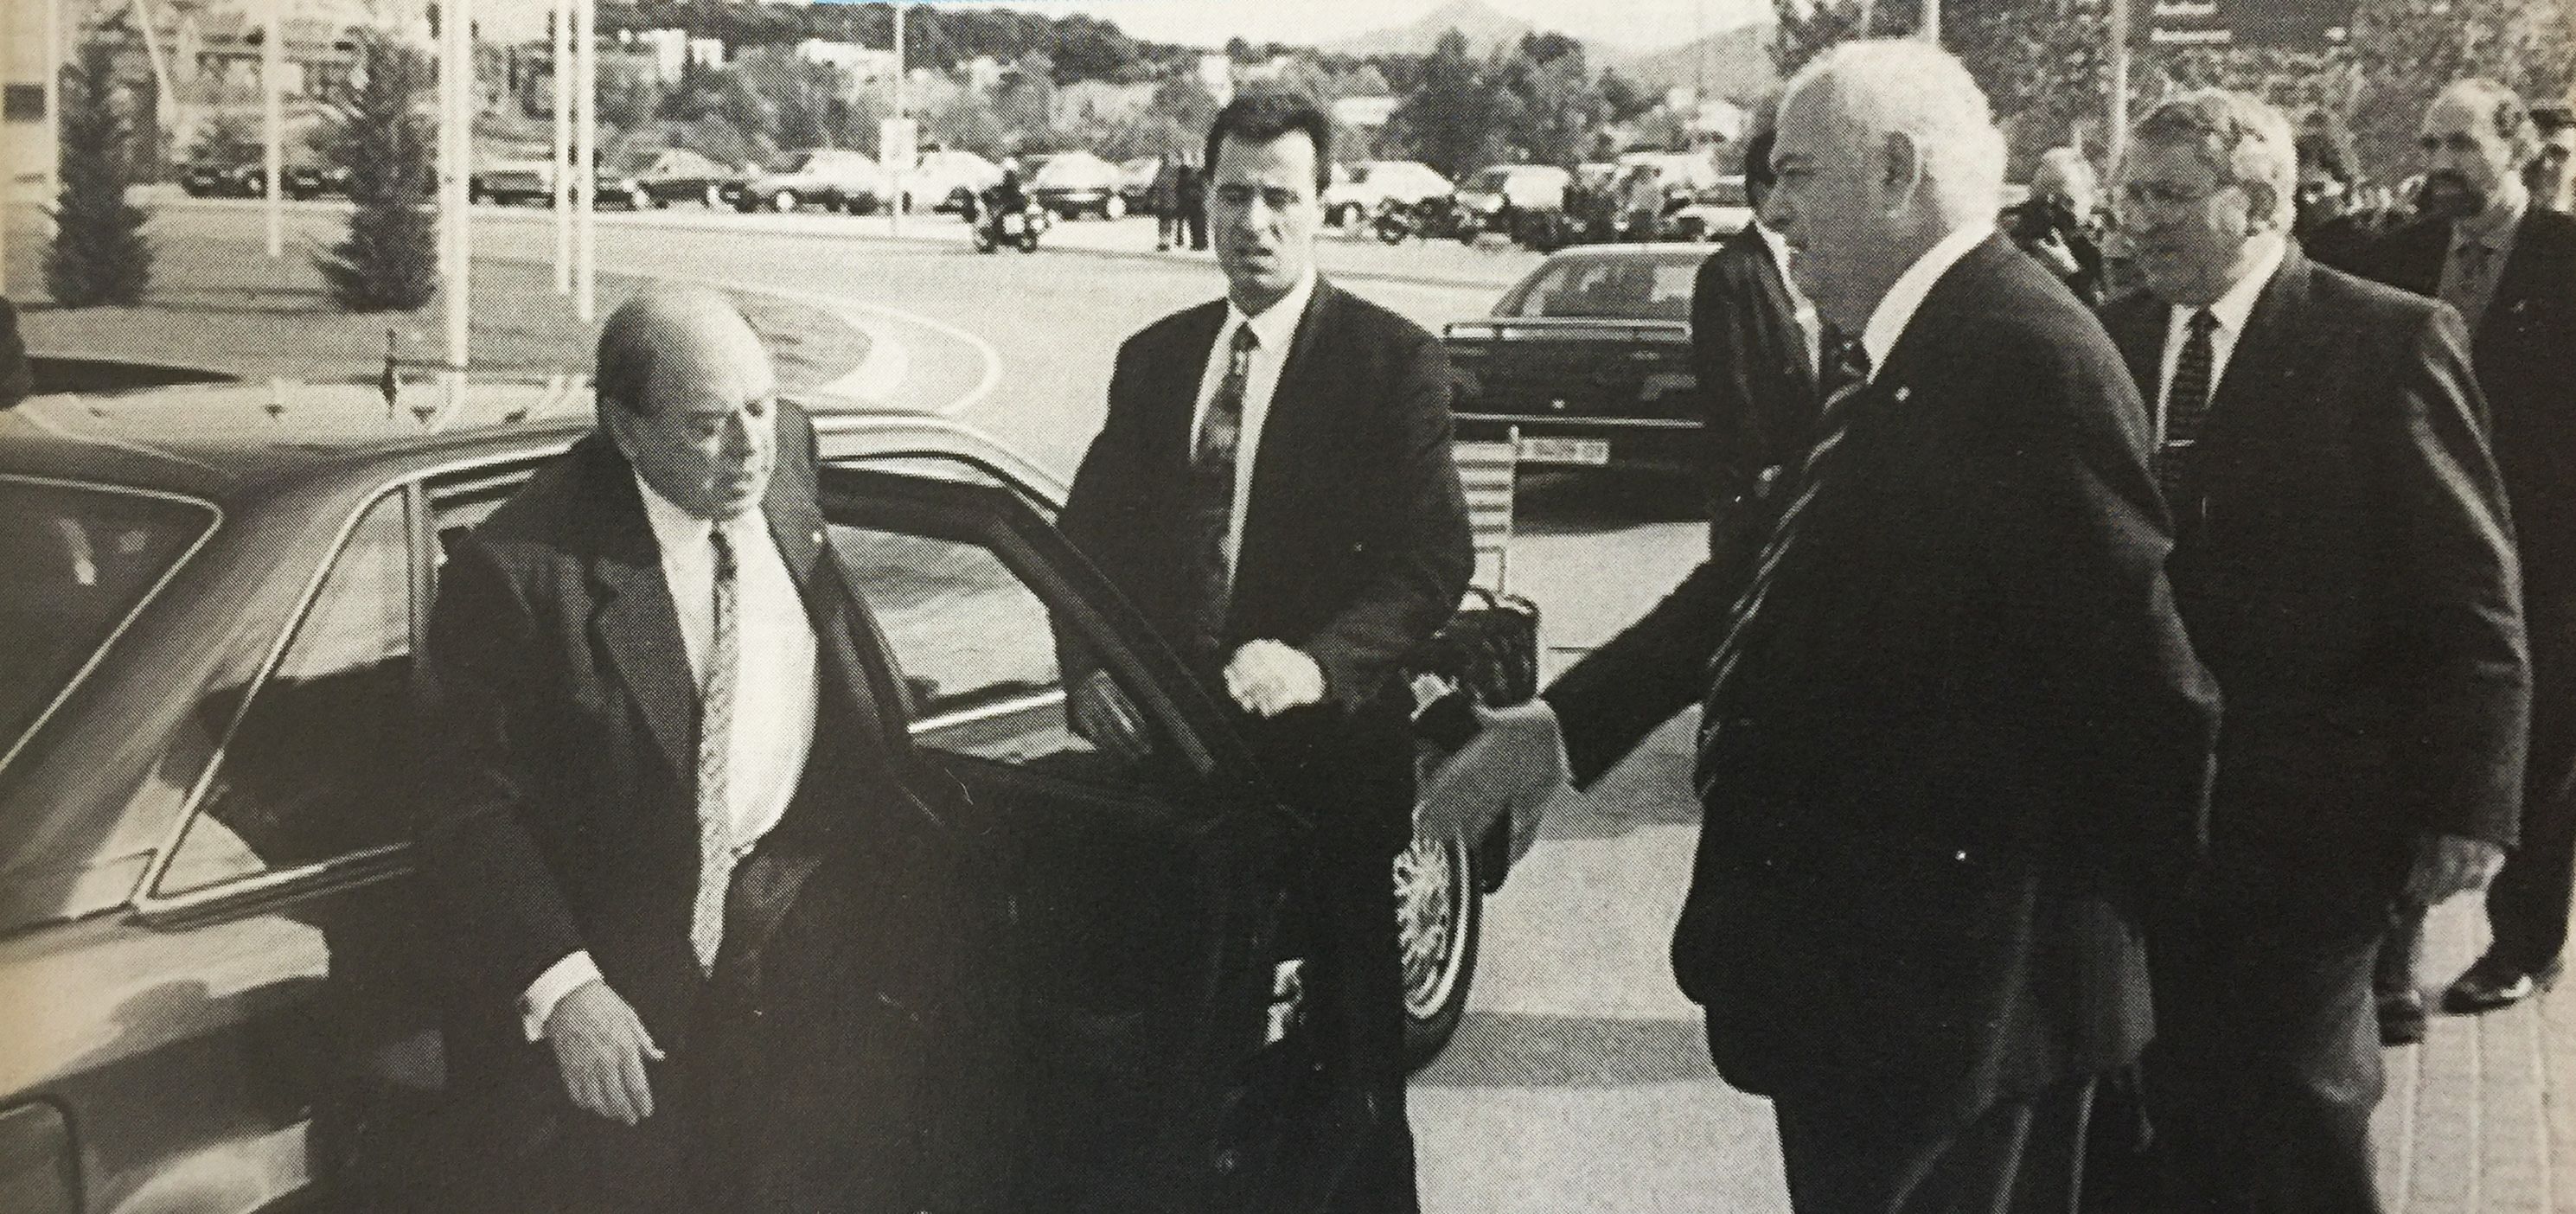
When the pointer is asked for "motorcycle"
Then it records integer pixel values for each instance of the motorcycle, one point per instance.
(1430, 219)
(994, 227)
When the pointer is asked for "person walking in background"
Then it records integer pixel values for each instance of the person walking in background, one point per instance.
(2551, 175)
(1755, 341)
(1191, 192)
(1165, 198)
(1953, 739)
(2508, 266)
(2058, 224)
(2343, 564)
(1274, 490)
(16, 380)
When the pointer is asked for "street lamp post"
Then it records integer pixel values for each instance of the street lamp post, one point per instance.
(272, 87)
(562, 86)
(902, 172)
(456, 139)
(585, 38)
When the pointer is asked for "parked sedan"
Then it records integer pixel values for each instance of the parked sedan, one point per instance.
(1587, 361)
(1362, 189)
(831, 178)
(1078, 183)
(209, 179)
(658, 177)
(222, 997)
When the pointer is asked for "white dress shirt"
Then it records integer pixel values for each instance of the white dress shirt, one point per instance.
(775, 687)
(1272, 330)
(1802, 308)
(1904, 297)
(2230, 309)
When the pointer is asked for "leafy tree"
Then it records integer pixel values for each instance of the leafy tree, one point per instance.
(380, 131)
(1554, 103)
(1622, 98)
(2404, 51)
(629, 97)
(99, 254)
(1447, 119)
(1806, 27)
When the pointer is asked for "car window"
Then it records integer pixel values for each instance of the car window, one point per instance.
(1623, 288)
(80, 560)
(305, 771)
(976, 647)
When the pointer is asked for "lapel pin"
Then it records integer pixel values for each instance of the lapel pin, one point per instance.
(1903, 393)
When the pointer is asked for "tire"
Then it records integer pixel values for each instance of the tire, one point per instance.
(1113, 208)
(784, 201)
(714, 197)
(1391, 232)
(1439, 914)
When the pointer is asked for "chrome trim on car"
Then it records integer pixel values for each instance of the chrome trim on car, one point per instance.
(1579, 419)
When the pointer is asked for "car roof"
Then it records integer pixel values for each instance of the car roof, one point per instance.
(233, 444)
(1662, 250)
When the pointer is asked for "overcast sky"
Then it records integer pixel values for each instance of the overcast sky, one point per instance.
(1636, 24)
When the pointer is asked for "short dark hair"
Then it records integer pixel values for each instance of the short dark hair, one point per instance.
(1263, 117)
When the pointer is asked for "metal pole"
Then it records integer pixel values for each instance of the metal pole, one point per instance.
(585, 37)
(902, 172)
(1932, 21)
(2116, 140)
(272, 87)
(166, 97)
(456, 80)
(562, 78)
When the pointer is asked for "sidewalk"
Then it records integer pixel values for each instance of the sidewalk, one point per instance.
(2481, 1118)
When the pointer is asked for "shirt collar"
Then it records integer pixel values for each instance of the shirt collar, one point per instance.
(1277, 324)
(2236, 304)
(1896, 309)
(1777, 243)
(677, 530)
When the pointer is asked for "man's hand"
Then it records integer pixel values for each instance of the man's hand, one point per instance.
(1516, 762)
(1106, 718)
(2448, 865)
(601, 1048)
(1270, 677)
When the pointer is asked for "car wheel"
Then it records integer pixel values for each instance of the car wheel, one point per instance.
(783, 201)
(714, 197)
(1114, 207)
(1439, 907)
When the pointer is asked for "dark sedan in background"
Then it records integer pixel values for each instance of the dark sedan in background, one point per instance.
(218, 992)
(210, 179)
(1587, 361)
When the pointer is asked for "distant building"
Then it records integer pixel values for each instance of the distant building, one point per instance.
(1363, 113)
(865, 65)
(1216, 74)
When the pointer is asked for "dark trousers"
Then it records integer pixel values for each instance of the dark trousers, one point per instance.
(2018, 1158)
(1357, 996)
(1195, 215)
(2265, 1067)
(1167, 228)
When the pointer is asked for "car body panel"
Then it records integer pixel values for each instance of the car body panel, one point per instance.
(1075, 183)
(1526, 187)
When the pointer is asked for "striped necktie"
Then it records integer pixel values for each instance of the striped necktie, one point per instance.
(716, 851)
(2186, 410)
(1833, 425)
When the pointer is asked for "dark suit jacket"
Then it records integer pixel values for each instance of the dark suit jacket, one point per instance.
(1355, 542)
(2345, 567)
(558, 812)
(1751, 361)
(2525, 354)
(1970, 735)
(15, 379)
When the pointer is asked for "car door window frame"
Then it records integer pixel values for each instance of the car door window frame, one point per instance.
(416, 491)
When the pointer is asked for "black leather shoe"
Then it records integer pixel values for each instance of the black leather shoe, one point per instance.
(2491, 984)
(2401, 1017)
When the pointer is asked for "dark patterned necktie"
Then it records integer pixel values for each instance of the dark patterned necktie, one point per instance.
(1210, 502)
(716, 850)
(2186, 410)
(1833, 425)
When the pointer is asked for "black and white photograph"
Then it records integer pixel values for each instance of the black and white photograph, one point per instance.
(1336, 607)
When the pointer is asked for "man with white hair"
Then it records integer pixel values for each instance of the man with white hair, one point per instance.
(2344, 564)
(2056, 224)
(1952, 732)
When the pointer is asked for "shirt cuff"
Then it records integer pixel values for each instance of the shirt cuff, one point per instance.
(560, 979)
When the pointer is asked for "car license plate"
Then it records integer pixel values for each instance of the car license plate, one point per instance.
(1565, 450)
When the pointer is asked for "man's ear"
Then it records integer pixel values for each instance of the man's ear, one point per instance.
(1901, 164)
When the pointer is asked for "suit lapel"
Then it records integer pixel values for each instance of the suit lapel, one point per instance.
(1176, 396)
(633, 619)
(1291, 419)
(2272, 351)
(1782, 313)
(2138, 327)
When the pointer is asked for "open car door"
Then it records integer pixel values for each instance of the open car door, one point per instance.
(1160, 1035)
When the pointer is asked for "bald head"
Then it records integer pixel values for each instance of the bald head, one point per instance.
(687, 392)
